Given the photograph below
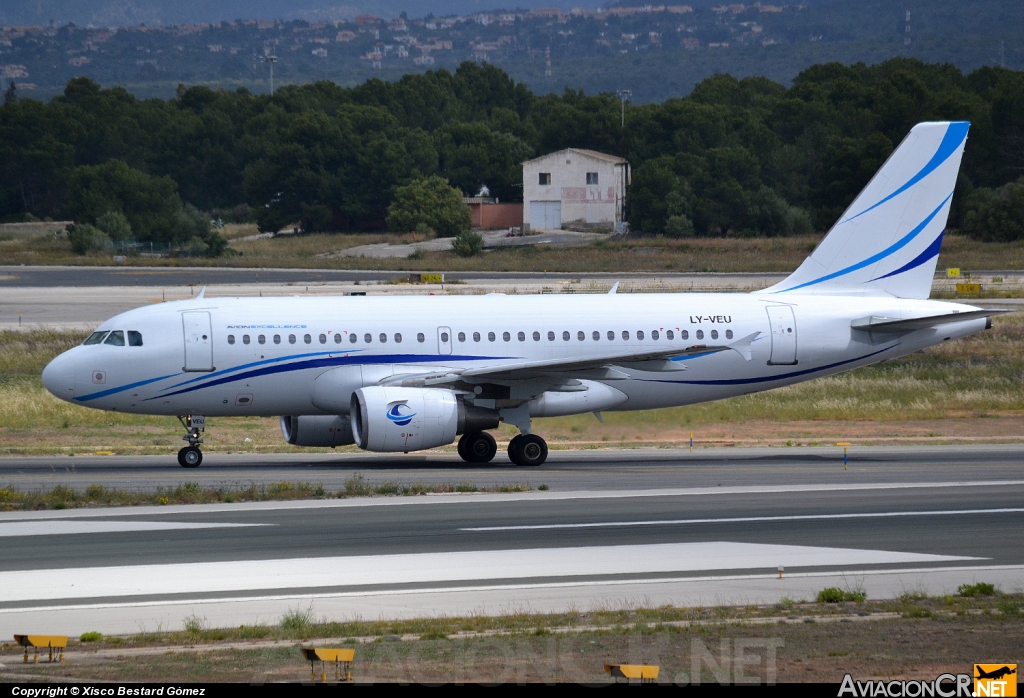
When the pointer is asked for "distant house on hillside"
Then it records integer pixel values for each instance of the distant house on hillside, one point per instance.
(574, 188)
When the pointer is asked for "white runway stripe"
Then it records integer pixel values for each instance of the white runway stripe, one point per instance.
(19, 529)
(423, 568)
(745, 519)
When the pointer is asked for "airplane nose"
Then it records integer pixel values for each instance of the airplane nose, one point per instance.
(59, 377)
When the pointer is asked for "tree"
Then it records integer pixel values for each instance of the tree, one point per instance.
(150, 204)
(467, 244)
(431, 201)
(996, 215)
(115, 225)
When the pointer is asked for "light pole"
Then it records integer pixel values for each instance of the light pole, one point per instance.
(623, 96)
(271, 60)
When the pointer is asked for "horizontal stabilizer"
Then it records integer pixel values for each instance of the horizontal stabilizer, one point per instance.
(876, 323)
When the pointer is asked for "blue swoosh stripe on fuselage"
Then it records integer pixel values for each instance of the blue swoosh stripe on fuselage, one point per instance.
(113, 391)
(333, 362)
(769, 379)
(241, 367)
(930, 252)
(895, 247)
(956, 133)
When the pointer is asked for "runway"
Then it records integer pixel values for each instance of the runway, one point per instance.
(617, 528)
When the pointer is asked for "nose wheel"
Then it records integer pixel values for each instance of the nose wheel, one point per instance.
(190, 457)
(528, 450)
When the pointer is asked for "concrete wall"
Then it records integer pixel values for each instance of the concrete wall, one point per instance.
(591, 205)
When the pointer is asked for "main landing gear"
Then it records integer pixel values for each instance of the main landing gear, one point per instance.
(191, 456)
(524, 449)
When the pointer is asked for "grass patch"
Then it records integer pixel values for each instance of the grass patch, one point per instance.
(63, 497)
(837, 595)
(979, 589)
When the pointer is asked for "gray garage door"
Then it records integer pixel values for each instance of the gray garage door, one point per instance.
(545, 215)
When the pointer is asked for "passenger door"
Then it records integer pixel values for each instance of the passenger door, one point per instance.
(783, 324)
(198, 341)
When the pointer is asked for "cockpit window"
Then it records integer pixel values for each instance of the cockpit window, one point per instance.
(134, 338)
(94, 338)
(116, 338)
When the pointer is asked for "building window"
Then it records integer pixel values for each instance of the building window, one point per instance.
(591, 178)
(545, 178)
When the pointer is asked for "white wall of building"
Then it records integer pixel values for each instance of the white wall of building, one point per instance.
(568, 197)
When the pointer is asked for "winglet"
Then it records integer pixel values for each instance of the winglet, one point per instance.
(742, 346)
(614, 289)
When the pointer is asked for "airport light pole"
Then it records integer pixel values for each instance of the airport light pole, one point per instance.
(623, 96)
(271, 60)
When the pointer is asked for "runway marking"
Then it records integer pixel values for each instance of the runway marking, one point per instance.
(19, 529)
(425, 568)
(744, 519)
(480, 497)
(508, 587)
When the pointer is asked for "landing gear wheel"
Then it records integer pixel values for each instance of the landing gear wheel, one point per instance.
(528, 450)
(478, 447)
(190, 457)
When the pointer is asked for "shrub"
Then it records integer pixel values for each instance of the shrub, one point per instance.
(115, 224)
(432, 202)
(979, 589)
(467, 244)
(85, 237)
(837, 595)
(92, 636)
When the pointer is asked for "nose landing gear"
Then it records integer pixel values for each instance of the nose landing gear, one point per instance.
(190, 456)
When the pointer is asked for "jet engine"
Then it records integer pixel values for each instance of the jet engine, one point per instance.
(391, 418)
(315, 430)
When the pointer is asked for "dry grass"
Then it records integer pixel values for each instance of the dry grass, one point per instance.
(613, 255)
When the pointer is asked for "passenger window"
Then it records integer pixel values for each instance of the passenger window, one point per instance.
(262, 339)
(714, 334)
(596, 335)
(521, 336)
(337, 337)
(728, 334)
(654, 334)
(307, 339)
(420, 337)
(135, 338)
(611, 335)
(565, 336)
(352, 338)
(684, 334)
(398, 337)
(669, 334)
(506, 336)
(700, 334)
(367, 337)
(291, 339)
(580, 335)
(277, 339)
(625, 335)
(462, 336)
(245, 339)
(490, 336)
(94, 338)
(640, 334)
(116, 339)
(323, 339)
(476, 336)
(444, 337)
(536, 336)
(383, 338)
(231, 339)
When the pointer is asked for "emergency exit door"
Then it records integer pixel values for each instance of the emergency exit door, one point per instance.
(198, 341)
(783, 324)
(444, 340)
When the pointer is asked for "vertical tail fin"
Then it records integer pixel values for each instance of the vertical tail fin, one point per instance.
(888, 240)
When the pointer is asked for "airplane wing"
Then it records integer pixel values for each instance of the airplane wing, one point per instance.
(595, 366)
(876, 323)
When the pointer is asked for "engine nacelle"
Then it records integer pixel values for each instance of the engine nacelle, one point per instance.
(314, 430)
(389, 418)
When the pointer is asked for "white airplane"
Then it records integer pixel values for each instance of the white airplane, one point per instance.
(400, 374)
